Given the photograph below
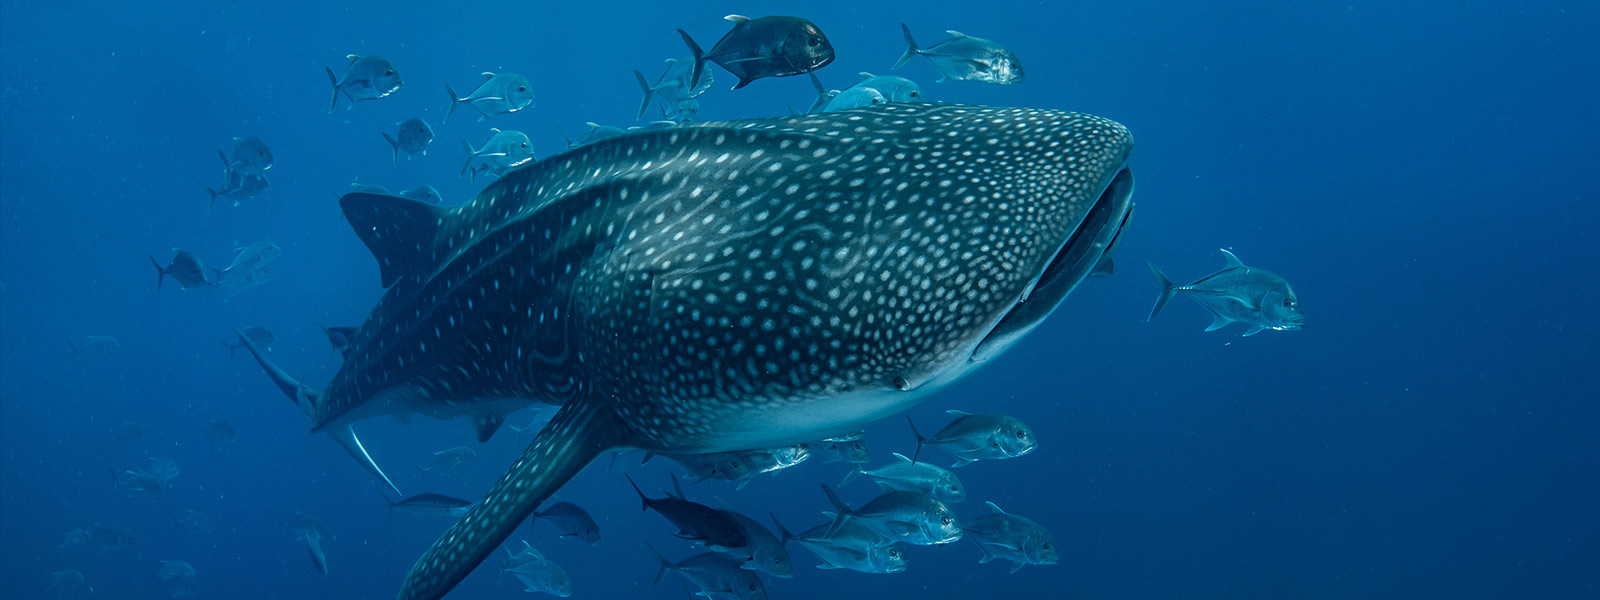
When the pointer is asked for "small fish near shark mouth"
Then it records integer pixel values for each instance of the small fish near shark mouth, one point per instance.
(718, 287)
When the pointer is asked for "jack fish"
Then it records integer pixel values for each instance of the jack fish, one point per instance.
(719, 286)
(1240, 294)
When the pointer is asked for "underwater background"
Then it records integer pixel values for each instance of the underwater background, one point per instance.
(1424, 174)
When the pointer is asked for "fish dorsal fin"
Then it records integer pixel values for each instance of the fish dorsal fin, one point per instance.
(530, 551)
(353, 57)
(593, 125)
(955, 34)
(737, 18)
(488, 74)
(866, 75)
(958, 413)
(495, 129)
(996, 508)
(1233, 261)
(399, 231)
(901, 457)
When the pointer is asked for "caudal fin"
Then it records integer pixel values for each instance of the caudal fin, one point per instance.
(644, 84)
(395, 145)
(841, 510)
(161, 272)
(471, 154)
(665, 565)
(1168, 290)
(855, 471)
(911, 47)
(454, 100)
(334, 80)
(578, 433)
(699, 57)
(784, 535)
(921, 441)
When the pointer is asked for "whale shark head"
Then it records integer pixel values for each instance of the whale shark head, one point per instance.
(724, 286)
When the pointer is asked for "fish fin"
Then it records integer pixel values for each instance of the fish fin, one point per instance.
(397, 230)
(866, 75)
(1168, 290)
(911, 48)
(955, 34)
(488, 74)
(988, 556)
(1218, 320)
(962, 462)
(393, 144)
(287, 384)
(827, 566)
(664, 565)
(577, 434)
(644, 84)
(784, 535)
(855, 471)
(346, 437)
(1233, 261)
(822, 93)
(454, 101)
(959, 413)
(333, 79)
(161, 272)
(843, 510)
(644, 501)
(900, 528)
(487, 423)
(995, 508)
(902, 457)
(677, 490)
(1254, 330)
(352, 57)
(471, 154)
(1017, 566)
(699, 57)
(736, 18)
(921, 441)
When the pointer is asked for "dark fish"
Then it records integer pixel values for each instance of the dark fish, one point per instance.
(500, 93)
(339, 337)
(717, 577)
(250, 156)
(69, 584)
(572, 521)
(258, 335)
(966, 58)
(1010, 537)
(221, 433)
(193, 521)
(423, 193)
(367, 78)
(448, 458)
(429, 504)
(237, 185)
(761, 550)
(971, 438)
(94, 344)
(185, 268)
(695, 521)
(800, 271)
(414, 136)
(319, 559)
(1238, 293)
(773, 46)
(111, 537)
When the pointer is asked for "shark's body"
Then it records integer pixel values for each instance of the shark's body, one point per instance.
(723, 286)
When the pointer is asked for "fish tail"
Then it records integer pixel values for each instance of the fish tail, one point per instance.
(231, 348)
(699, 57)
(644, 84)
(665, 565)
(784, 536)
(212, 202)
(911, 47)
(822, 93)
(644, 501)
(161, 272)
(855, 471)
(334, 80)
(454, 100)
(471, 154)
(74, 348)
(395, 145)
(578, 433)
(921, 441)
(1168, 290)
(841, 510)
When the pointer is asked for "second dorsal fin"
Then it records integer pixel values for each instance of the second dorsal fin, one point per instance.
(400, 232)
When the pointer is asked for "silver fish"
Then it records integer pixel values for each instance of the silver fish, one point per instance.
(262, 337)
(366, 78)
(1239, 294)
(424, 193)
(851, 546)
(971, 438)
(966, 58)
(673, 89)
(719, 286)
(185, 268)
(448, 458)
(319, 559)
(1010, 537)
(177, 578)
(907, 475)
(221, 433)
(596, 133)
(505, 150)
(69, 584)
(412, 137)
(251, 266)
(572, 521)
(907, 517)
(717, 576)
(499, 94)
(537, 573)
(250, 156)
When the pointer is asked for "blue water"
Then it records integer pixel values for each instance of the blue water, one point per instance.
(1423, 173)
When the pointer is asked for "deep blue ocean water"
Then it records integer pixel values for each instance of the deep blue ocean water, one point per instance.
(1423, 173)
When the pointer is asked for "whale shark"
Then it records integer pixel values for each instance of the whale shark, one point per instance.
(720, 286)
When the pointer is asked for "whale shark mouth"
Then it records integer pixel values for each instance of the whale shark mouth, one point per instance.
(1074, 261)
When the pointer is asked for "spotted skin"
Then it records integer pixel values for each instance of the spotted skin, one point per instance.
(720, 286)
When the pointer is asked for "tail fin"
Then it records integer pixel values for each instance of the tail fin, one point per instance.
(855, 471)
(911, 47)
(231, 347)
(333, 79)
(921, 441)
(579, 432)
(699, 57)
(471, 154)
(822, 94)
(391, 503)
(841, 510)
(784, 536)
(644, 84)
(1168, 290)
(666, 565)
(644, 501)
(161, 272)
(74, 348)
(395, 145)
(454, 100)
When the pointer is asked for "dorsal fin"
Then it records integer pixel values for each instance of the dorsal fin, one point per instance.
(399, 231)
(1233, 261)
(736, 18)
(995, 508)
(956, 34)
(488, 74)
(867, 75)
(487, 423)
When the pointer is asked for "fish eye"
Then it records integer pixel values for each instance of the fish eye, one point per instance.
(522, 88)
(1022, 435)
(894, 554)
(945, 519)
(814, 42)
(752, 587)
(1046, 546)
(389, 72)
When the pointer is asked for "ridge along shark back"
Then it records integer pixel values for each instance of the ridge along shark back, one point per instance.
(722, 286)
